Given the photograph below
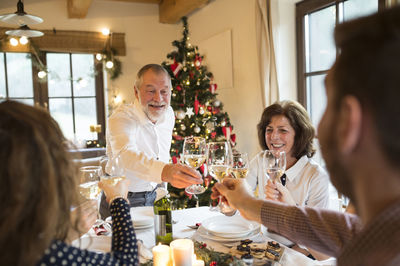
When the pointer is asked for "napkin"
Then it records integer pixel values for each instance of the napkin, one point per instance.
(145, 254)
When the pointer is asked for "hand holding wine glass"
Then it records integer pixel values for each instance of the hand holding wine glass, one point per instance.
(194, 155)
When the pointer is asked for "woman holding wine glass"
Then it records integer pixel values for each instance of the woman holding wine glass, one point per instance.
(285, 129)
(39, 186)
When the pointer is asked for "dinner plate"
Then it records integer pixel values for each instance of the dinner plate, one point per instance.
(229, 227)
(142, 217)
(202, 232)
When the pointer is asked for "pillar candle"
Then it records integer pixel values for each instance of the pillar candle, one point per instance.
(182, 252)
(161, 255)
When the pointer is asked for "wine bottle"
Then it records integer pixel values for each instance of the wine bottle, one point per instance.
(163, 220)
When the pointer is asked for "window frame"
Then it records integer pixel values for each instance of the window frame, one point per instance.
(40, 89)
(304, 8)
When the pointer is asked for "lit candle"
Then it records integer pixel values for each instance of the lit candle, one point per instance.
(161, 255)
(182, 252)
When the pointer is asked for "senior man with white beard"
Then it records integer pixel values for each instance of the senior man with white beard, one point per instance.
(141, 134)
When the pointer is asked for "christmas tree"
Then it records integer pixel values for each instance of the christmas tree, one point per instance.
(198, 112)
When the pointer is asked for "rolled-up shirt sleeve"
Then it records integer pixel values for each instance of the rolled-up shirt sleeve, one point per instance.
(320, 229)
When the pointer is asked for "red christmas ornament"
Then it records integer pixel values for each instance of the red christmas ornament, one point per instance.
(174, 159)
(203, 169)
(233, 138)
(177, 137)
(213, 263)
(216, 111)
(178, 88)
(213, 135)
(209, 108)
(176, 68)
(227, 132)
(196, 105)
(213, 87)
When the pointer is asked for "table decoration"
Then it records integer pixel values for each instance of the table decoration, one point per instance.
(182, 251)
(161, 255)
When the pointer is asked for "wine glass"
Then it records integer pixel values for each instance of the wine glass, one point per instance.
(115, 171)
(89, 179)
(219, 162)
(240, 165)
(89, 184)
(194, 155)
(274, 165)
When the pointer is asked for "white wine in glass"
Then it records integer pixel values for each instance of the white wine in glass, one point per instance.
(240, 165)
(274, 164)
(116, 171)
(219, 172)
(89, 179)
(219, 162)
(194, 155)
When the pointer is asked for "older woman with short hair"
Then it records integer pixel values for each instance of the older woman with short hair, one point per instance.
(286, 126)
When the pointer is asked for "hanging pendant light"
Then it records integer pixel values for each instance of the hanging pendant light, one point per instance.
(20, 17)
(24, 31)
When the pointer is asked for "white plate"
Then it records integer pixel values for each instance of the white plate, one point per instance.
(202, 232)
(143, 226)
(142, 216)
(94, 243)
(229, 227)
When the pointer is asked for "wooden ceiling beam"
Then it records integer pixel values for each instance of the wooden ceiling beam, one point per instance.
(171, 11)
(139, 1)
(78, 8)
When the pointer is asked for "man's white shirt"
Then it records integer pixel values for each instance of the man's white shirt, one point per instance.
(143, 146)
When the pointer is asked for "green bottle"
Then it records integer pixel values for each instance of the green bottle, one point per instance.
(163, 220)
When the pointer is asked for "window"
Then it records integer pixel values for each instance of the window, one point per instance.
(72, 91)
(316, 50)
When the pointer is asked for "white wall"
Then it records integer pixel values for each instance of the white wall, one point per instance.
(243, 102)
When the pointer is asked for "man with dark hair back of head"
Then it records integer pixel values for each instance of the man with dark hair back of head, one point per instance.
(140, 134)
(359, 136)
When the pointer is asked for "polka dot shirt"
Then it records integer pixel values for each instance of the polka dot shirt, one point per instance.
(124, 250)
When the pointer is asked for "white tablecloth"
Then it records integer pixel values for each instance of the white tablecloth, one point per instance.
(183, 218)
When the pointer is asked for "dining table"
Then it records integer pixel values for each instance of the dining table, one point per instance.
(184, 226)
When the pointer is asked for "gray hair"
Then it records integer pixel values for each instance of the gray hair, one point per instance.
(158, 69)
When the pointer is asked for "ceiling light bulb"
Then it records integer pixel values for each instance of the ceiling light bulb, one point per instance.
(105, 31)
(109, 64)
(13, 41)
(99, 57)
(23, 40)
(42, 74)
